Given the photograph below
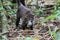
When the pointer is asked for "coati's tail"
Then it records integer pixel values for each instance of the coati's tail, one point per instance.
(23, 2)
(18, 2)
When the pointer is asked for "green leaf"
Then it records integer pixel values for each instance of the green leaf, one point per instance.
(1, 7)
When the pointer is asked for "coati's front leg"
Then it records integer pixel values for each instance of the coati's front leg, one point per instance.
(24, 24)
(17, 19)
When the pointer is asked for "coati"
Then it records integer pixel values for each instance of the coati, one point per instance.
(26, 14)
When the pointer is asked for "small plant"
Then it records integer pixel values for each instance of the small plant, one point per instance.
(53, 32)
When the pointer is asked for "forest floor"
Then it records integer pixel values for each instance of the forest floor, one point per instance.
(44, 31)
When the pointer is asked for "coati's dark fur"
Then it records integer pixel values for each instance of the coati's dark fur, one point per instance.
(25, 13)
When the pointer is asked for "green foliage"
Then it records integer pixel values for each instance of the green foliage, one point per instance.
(57, 3)
(5, 8)
(53, 34)
(58, 35)
(1, 8)
(55, 14)
(0, 38)
(28, 38)
(37, 12)
(7, 3)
